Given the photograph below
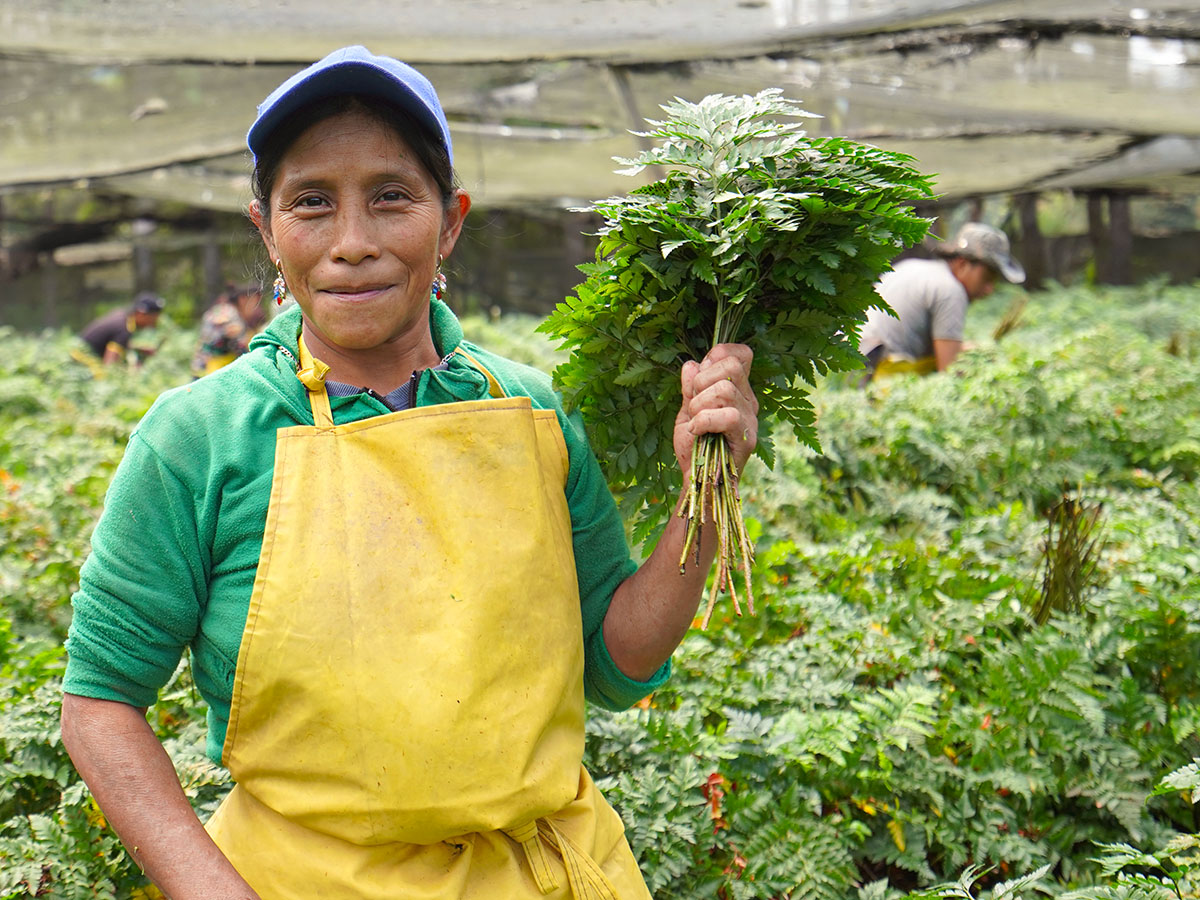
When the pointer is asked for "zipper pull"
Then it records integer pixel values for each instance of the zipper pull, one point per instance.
(377, 396)
(412, 389)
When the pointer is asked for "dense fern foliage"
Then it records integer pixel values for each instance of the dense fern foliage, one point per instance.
(62, 432)
(893, 719)
(895, 715)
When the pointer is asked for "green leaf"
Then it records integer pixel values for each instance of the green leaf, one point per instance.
(775, 223)
(1185, 778)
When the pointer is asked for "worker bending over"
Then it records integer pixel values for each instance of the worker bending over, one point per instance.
(929, 298)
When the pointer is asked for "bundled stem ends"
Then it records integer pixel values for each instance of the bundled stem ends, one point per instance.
(712, 495)
(712, 491)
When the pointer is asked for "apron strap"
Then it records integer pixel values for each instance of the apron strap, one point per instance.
(312, 374)
(585, 878)
(535, 854)
(494, 388)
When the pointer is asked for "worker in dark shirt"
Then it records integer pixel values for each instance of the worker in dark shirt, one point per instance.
(109, 336)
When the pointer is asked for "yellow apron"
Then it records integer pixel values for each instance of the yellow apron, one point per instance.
(407, 714)
(899, 365)
(216, 363)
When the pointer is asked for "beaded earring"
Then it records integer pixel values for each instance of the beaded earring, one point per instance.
(438, 291)
(280, 287)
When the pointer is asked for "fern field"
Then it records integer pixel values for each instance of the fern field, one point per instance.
(893, 723)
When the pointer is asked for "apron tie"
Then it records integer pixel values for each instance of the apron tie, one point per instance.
(585, 878)
(312, 374)
(535, 854)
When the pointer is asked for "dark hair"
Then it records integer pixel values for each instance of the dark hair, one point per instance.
(429, 150)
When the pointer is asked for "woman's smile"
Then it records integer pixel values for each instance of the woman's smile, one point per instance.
(357, 294)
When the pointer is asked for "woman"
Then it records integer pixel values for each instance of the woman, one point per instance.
(394, 615)
(227, 327)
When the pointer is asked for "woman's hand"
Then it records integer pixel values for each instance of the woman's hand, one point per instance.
(717, 399)
(653, 608)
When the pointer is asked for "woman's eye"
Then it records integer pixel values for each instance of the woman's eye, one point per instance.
(313, 202)
(392, 195)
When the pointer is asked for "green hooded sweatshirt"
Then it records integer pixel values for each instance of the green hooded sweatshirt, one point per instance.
(176, 549)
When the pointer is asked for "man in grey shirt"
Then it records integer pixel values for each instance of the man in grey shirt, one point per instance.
(930, 297)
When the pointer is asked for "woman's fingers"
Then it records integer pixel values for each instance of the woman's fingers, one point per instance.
(736, 425)
(726, 363)
(717, 399)
(722, 393)
(688, 379)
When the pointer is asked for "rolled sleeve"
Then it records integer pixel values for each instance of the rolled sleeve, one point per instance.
(609, 687)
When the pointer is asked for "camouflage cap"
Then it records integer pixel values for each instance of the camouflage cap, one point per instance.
(985, 244)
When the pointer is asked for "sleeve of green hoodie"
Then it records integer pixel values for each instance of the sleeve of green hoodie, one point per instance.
(142, 588)
(602, 562)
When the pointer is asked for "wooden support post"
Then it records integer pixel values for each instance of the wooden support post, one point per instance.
(50, 275)
(575, 250)
(1120, 239)
(50, 291)
(1098, 233)
(498, 262)
(214, 280)
(143, 255)
(1032, 245)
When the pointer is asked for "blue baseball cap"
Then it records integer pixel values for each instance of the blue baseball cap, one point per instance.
(353, 70)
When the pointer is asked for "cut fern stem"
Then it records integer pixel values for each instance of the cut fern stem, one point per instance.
(713, 496)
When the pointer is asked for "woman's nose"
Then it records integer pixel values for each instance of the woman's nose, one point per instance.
(355, 239)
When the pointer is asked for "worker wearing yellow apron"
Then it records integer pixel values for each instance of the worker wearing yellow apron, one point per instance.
(402, 726)
(227, 328)
(918, 327)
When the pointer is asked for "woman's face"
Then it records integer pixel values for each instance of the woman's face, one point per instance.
(358, 225)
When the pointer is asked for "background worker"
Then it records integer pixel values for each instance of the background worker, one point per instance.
(109, 336)
(227, 327)
(929, 298)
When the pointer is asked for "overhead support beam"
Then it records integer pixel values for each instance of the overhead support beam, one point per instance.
(1120, 229)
